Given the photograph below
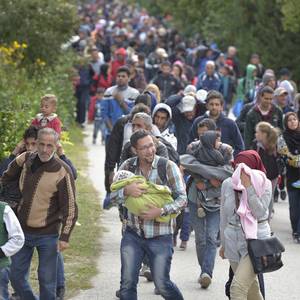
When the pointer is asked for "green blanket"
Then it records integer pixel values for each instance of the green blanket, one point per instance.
(156, 195)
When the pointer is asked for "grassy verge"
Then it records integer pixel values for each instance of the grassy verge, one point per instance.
(80, 258)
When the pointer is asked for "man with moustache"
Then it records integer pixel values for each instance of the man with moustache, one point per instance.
(47, 214)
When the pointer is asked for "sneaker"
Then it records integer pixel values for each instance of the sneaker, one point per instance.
(296, 184)
(142, 270)
(118, 294)
(147, 274)
(204, 280)
(276, 194)
(183, 245)
(60, 293)
(156, 291)
(283, 195)
(296, 238)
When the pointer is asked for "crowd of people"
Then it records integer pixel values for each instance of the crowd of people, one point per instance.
(177, 158)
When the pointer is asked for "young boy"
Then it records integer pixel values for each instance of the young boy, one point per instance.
(96, 115)
(47, 116)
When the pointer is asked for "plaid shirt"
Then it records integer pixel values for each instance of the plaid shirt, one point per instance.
(151, 228)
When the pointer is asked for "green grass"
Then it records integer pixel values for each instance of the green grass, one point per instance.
(80, 258)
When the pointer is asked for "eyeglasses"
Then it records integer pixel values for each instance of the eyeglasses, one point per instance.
(146, 147)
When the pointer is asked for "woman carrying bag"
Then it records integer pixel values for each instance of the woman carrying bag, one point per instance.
(245, 198)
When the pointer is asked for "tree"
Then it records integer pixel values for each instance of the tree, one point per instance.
(41, 24)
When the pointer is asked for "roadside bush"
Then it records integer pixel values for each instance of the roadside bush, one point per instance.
(20, 93)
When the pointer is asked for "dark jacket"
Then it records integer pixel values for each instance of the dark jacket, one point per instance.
(230, 133)
(254, 116)
(113, 148)
(168, 85)
(182, 124)
(241, 120)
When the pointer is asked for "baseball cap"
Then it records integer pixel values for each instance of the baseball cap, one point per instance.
(280, 91)
(187, 104)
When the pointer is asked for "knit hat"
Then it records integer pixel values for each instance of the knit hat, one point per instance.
(122, 174)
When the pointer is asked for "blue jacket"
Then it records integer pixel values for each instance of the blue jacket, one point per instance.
(230, 133)
(209, 83)
(111, 109)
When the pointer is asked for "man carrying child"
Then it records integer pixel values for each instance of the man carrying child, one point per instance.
(143, 234)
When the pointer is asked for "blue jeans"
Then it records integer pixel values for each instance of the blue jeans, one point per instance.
(60, 271)
(206, 237)
(4, 280)
(294, 206)
(46, 246)
(99, 125)
(159, 251)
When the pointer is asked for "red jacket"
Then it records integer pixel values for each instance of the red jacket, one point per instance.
(50, 122)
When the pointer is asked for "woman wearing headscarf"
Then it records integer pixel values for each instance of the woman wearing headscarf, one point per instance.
(289, 146)
(245, 198)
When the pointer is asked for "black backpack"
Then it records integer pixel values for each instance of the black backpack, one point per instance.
(173, 154)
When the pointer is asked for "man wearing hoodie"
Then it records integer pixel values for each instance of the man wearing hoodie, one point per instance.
(118, 61)
(162, 117)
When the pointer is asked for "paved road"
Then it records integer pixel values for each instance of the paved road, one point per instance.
(280, 285)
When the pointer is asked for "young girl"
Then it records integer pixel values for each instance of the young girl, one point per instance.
(265, 144)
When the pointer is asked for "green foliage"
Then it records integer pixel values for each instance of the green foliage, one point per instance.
(20, 98)
(291, 12)
(42, 24)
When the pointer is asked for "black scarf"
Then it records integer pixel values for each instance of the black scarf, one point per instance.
(292, 139)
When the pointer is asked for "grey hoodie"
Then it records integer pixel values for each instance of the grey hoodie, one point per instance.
(165, 133)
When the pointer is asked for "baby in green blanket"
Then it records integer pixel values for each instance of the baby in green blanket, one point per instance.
(156, 195)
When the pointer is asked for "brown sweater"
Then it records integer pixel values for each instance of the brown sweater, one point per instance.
(48, 195)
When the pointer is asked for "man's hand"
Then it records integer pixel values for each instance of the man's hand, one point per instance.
(62, 246)
(245, 179)
(134, 189)
(215, 182)
(59, 149)
(222, 252)
(19, 148)
(118, 96)
(152, 213)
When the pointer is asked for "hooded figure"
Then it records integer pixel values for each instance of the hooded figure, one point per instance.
(246, 85)
(119, 61)
(159, 113)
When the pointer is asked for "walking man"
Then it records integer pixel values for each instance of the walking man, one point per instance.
(143, 235)
(48, 201)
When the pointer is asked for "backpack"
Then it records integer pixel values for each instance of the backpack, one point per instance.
(173, 154)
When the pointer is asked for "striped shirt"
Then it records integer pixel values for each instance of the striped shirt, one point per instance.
(151, 228)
